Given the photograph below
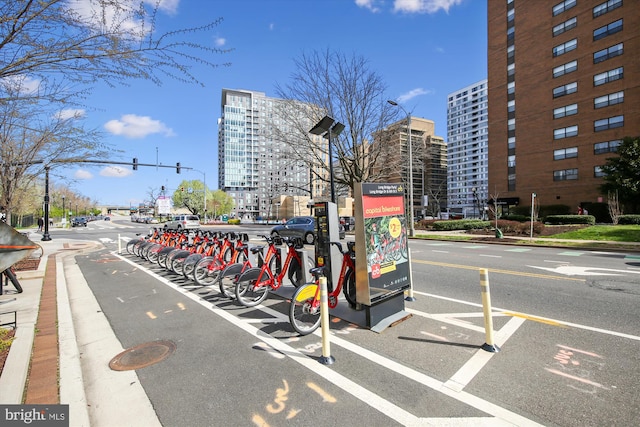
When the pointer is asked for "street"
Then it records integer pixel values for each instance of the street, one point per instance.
(565, 321)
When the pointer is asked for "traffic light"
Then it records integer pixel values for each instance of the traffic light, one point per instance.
(162, 188)
(181, 188)
(178, 167)
(135, 163)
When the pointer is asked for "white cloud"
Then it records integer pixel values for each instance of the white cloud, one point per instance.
(368, 4)
(82, 174)
(412, 94)
(115, 171)
(20, 84)
(167, 6)
(423, 6)
(220, 41)
(70, 113)
(135, 127)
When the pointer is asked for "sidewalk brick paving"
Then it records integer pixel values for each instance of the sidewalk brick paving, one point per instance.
(42, 383)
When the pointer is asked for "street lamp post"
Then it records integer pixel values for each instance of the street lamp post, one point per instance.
(204, 190)
(410, 149)
(64, 214)
(326, 127)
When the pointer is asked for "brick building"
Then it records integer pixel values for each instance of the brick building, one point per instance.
(564, 89)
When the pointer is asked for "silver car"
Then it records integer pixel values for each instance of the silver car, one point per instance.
(183, 222)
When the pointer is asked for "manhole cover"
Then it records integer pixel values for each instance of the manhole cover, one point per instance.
(142, 355)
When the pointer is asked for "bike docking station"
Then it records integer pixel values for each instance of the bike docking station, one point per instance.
(382, 257)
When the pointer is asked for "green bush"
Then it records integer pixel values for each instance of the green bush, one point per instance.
(517, 227)
(629, 219)
(233, 221)
(460, 224)
(570, 219)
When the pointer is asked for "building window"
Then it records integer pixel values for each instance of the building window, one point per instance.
(565, 132)
(565, 89)
(565, 26)
(568, 110)
(606, 146)
(563, 69)
(511, 87)
(565, 47)
(511, 69)
(605, 7)
(598, 172)
(511, 51)
(511, 14)
(511, 106)
(608, 53)
(511, 142)
(511, 182)
(606, 100)
(607, 30)
(562, 6)
(565, 153)
(511, 34)
(608, 76)
(565, 175)
(609, 123)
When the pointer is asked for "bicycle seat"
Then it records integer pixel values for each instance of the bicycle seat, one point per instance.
(256, 249)
(318, 271)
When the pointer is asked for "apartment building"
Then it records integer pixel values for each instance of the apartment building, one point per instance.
(564, 89)
(467, 151)
(254, 169)
(428, 158)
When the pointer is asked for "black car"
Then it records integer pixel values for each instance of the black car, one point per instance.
(79, 221)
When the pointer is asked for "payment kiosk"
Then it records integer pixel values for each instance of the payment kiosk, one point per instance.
(327, 231)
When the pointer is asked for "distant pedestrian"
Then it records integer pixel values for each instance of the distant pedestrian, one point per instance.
(40, 223)
(585, 211)
(580, 210)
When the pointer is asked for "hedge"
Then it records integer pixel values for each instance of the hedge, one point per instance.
(629, 219)
(460, 224)
(570, 219)
(233, 221)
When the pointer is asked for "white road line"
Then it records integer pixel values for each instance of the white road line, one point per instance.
(561, 322)
(503, 416)
(491, 256)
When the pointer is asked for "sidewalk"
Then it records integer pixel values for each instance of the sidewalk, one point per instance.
(60, 355)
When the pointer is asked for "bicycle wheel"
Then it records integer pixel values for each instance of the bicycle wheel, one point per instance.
(203, 275)
(130, 245)
(349, 287)
(152, 253)
(295, 273)
(304, 317)
(190, 265)
(250, 295)
(228, 285)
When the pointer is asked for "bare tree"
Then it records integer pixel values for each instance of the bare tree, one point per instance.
(53, 51)
(615, 209)
(345, 88)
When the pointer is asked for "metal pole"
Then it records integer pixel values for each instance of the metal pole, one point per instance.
(333, 192)
(45, 235)
(412, 230)
(533, 201)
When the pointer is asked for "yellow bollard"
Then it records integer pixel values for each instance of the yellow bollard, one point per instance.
(410, 296)
(326, 358)
(486, 307)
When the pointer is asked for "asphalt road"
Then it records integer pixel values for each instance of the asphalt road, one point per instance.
(565, 321)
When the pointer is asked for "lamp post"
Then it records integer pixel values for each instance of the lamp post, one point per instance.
(64, 214)
(326, 127)
(45, 236)
(411, 225)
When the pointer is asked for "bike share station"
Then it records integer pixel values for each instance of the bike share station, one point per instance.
(381, 277)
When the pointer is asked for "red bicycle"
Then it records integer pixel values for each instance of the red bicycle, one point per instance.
(252, 286)
(304, 311)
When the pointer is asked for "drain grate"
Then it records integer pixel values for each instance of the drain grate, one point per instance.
(142, 355)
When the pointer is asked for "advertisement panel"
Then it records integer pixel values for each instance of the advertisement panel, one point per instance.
(163, 205)
(384, 242)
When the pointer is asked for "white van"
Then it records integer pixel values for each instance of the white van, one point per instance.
(183, 222)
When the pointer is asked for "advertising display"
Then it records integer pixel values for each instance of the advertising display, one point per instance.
(383, 242)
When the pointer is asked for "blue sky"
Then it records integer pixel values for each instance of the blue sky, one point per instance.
(423, 50)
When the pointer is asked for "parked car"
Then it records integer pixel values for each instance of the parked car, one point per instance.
(79, 221)
(150, 220)
(303, 227)
(183, 222)
(106, 218)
